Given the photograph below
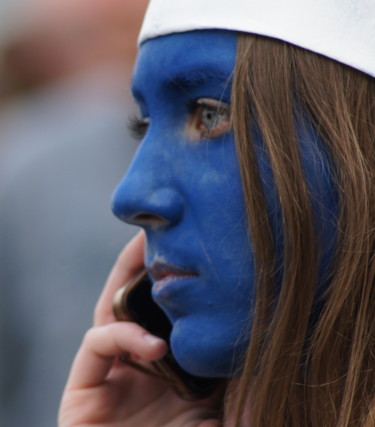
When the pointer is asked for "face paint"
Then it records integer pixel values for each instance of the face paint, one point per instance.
(184, 188)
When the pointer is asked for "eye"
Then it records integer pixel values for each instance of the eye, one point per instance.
(210, 117)
(138, 127)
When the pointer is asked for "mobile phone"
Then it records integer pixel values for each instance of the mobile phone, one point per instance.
(134, 302)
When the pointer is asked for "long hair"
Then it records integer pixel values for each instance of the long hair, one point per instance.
(300, 375)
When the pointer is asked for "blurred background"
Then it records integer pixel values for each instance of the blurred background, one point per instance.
(65, 67)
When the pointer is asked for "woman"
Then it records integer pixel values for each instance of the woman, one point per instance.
(245, 135)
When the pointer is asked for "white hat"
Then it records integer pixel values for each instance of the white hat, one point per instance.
(343, 30)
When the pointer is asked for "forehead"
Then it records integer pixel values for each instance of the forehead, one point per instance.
(185, 59)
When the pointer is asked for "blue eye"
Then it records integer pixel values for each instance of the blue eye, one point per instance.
(211, 118)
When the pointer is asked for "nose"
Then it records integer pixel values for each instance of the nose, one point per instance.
(145, 198)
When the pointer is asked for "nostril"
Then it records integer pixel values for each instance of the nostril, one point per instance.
(149, 219)
(138, 203)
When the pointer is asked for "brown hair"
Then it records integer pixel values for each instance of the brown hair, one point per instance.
(299, 377)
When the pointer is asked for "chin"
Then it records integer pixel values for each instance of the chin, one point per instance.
(205, 352)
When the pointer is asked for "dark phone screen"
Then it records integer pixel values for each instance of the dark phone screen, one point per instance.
(146, 312)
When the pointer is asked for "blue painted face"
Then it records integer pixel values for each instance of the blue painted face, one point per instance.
(184, 189)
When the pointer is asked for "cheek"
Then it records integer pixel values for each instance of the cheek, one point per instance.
(217, 213)
(213, 187)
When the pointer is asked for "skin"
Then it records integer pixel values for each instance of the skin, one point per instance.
(184, 189)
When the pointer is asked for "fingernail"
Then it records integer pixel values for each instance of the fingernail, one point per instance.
(152, 340)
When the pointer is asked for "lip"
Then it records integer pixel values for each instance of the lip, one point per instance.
(164, 274)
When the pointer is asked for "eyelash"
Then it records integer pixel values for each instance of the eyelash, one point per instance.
(138, 126)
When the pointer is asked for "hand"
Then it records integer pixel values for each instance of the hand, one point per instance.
(101, 391)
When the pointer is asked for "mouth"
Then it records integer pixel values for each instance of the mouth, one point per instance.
(163, 274)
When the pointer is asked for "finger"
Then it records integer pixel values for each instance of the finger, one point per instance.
(129, 263)
(103, 343)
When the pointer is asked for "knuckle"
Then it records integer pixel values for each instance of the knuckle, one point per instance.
(89, 336)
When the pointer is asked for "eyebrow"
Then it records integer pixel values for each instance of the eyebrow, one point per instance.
(190, 79)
